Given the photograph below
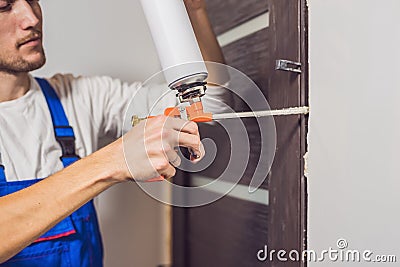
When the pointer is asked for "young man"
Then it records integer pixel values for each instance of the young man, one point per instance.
(52, 221)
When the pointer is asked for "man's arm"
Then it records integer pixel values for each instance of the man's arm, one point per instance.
(205, 35)
(218, 74)
(208, 43)
(29, 213)
(147, 149)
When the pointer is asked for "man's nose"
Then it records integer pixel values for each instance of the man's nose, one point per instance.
(26, 14)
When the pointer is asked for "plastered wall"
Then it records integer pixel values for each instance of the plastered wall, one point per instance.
(354, 144)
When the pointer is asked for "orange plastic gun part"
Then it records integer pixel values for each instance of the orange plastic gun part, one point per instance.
(195, 113)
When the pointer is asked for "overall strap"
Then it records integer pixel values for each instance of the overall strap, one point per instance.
(2, 174)
(63, 131)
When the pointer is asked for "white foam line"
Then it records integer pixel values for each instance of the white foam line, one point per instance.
(264, 113)
(258, 23)
(259, 196)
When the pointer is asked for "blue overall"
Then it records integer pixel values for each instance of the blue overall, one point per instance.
(76, 240)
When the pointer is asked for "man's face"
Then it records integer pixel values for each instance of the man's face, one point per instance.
(21, 47)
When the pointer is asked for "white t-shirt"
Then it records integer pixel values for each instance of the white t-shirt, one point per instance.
(95, 108)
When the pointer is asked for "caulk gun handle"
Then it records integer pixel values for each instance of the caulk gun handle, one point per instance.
(157, 179)
(174, 112)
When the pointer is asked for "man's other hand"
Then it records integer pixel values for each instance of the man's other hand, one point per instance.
(193, 5)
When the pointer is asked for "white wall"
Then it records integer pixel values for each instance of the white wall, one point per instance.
(98, 37)
(110, 37)
(354, 138)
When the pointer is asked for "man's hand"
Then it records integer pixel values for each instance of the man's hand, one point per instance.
(149, 148)
(193, 5)
(206, 38)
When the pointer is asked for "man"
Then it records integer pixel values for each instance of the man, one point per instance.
(52, 221)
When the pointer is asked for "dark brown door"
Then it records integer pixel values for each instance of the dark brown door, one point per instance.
(230, 231)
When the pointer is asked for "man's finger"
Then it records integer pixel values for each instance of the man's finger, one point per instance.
(173, 158)
(182, 125)
(169, 172)
(191, 141)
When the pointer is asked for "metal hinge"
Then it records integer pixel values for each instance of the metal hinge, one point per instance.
(287, 65)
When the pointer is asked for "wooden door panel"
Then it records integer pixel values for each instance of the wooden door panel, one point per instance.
(250, 56)
(227, 14)
(286, 177)
(229, 232)
(228, 240)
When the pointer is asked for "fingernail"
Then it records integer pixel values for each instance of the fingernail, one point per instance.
(194, 154)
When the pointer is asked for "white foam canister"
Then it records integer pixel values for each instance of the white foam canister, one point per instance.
(175, 41)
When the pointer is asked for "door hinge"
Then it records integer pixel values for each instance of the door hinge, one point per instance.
(287, 65)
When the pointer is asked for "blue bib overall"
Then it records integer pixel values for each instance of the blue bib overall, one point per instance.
(76, 240)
